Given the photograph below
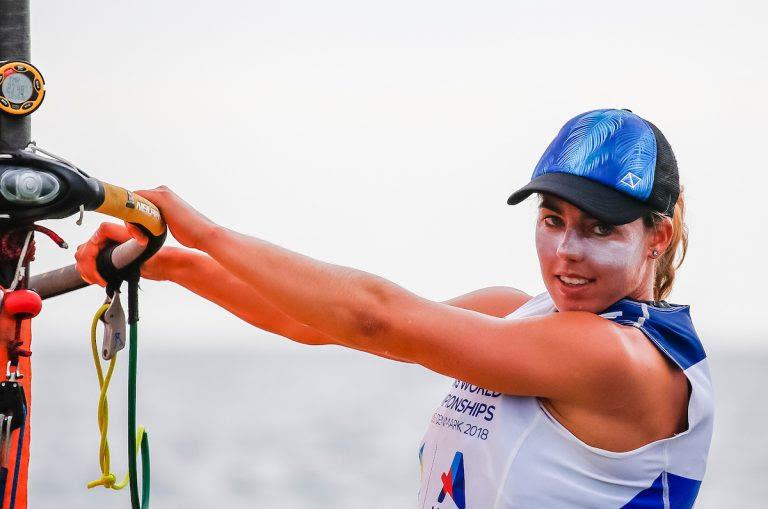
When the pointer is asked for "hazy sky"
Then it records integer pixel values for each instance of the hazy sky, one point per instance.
(388, 135)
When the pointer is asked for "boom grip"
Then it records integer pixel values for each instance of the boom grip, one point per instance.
(132, 208)
(116, 262)
(119, 262)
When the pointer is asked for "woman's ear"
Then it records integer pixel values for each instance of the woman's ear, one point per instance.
(660, 237)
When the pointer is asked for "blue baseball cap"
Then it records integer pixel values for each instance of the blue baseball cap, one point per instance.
(612, 164)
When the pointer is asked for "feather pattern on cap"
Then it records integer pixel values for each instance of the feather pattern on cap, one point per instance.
(587, 136)
(636, 151)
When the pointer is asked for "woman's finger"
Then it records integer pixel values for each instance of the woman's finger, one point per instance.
(86, 263)
(157, 196)
(137, 234)
(87, 253)
(111, 231)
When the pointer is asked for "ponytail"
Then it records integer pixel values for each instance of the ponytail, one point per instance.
(673, 257)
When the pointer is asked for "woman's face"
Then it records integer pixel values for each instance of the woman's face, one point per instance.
(587, 265)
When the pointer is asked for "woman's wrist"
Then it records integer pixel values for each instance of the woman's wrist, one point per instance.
(212, 234)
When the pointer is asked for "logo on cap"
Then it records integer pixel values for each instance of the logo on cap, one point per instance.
(631, 180)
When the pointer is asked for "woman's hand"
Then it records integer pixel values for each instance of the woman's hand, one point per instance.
(87, 253)
(187, 225)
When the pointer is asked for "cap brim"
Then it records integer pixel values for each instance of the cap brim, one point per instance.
(594, 198)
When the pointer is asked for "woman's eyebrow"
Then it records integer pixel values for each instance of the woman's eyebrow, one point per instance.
(548, 203)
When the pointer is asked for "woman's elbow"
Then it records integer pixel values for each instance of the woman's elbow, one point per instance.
(372, 314)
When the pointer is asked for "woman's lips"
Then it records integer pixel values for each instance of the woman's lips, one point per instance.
(573, 284)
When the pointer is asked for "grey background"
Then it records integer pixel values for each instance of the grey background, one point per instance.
(385, 136)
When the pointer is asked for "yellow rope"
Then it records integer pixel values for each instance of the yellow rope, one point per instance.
(108, 479)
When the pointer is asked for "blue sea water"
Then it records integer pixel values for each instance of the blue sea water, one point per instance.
(306, 428)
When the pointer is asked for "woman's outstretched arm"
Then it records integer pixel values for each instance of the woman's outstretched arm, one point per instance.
(572, 356)
(202, 275)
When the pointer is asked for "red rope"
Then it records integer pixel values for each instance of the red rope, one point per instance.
(51, 234)
(12, 242)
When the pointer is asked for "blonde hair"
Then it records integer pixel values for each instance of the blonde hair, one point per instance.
(673, 257)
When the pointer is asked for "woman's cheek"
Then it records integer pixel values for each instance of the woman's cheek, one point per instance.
(546, 244)
(615, 262)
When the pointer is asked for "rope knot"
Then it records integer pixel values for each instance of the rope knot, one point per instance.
(109, 480)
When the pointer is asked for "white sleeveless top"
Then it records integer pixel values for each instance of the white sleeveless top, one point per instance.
(486, 450)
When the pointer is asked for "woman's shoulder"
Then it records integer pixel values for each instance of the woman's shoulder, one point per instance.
(668, 326)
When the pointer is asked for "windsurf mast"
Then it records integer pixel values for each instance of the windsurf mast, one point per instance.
(15, 130)
(15, 134)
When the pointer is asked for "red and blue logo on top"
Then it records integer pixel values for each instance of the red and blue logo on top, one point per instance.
(453, 482)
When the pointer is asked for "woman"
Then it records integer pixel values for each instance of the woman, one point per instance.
(594, 394)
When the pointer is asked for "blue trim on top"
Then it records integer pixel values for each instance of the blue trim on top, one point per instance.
(681, 492)
(650, 498)
(613, 147)
(670, 328)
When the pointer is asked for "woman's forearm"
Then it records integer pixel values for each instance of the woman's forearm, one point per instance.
(204, 276)
(340, 302)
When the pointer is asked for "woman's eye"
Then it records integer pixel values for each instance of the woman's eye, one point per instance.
(603, 229)
(553, 221)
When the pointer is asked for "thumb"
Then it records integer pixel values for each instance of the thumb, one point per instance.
(137, 234)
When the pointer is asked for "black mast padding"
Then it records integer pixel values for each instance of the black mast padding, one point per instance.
(15, 131)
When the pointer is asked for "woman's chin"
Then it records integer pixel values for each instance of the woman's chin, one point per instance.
(574, 297)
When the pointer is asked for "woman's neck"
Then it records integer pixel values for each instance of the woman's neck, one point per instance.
(644, 290)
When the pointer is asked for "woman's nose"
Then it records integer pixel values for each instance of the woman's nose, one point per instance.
(571, 246)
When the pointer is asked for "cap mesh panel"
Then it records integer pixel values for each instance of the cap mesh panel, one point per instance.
(666, 182)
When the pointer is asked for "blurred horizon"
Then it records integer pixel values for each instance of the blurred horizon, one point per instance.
(324, 428)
